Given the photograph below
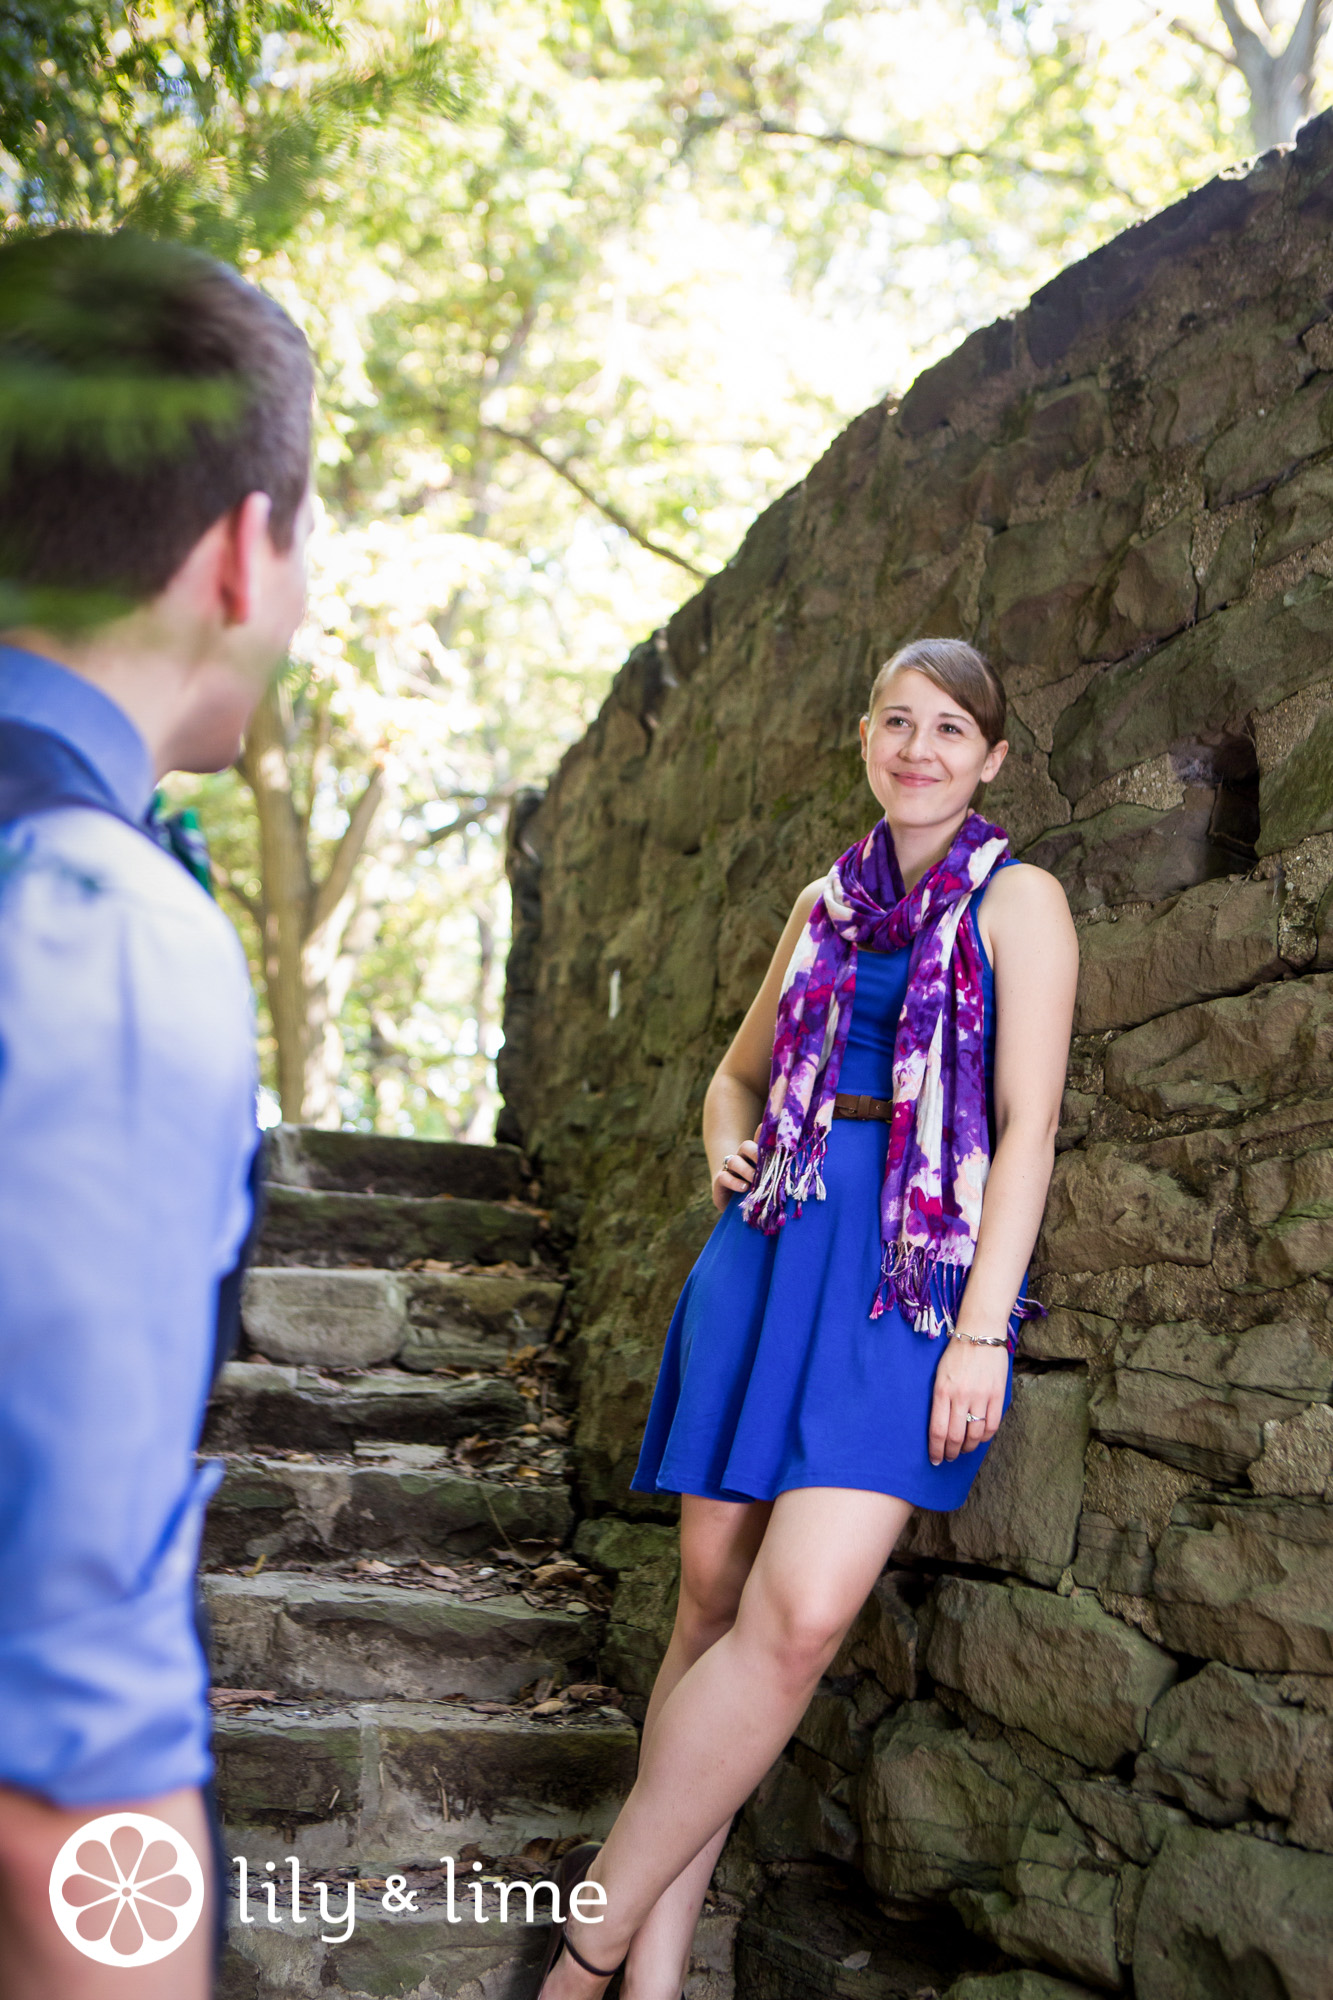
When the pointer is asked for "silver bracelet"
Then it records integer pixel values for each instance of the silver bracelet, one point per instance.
(981, 1339)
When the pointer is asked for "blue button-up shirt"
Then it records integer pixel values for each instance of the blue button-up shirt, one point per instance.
(126, 1129)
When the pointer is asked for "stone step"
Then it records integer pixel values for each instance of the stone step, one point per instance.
(290, 1510)
(303, 1634)
(257, 1404)
(305, 1156)
(462, 1320)
(425, 1319)
(302, 1226)
(397, 1784)
(419, 1954)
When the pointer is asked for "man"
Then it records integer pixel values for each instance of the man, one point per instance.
(155, 425)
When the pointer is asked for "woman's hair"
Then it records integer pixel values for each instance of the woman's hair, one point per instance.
(961, 671)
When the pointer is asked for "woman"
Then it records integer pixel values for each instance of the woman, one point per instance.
(842, 1350)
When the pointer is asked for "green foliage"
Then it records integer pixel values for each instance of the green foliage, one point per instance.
(587, 281)
(250, 175)
(76, 81)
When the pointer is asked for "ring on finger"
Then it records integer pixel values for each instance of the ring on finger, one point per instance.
(968, 1418)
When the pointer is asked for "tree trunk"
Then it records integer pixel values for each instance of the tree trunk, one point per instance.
(301, 920)
(1281, 81)
(481, 1125)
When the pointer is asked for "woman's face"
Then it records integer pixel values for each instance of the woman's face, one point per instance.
(924, 754)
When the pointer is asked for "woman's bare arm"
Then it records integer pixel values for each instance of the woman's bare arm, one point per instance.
(734, 1101)
(1027, 929)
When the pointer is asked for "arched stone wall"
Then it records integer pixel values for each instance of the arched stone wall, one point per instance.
(1094, 1710)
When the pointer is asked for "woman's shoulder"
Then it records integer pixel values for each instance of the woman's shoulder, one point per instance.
(1022, 895)
(808, 897)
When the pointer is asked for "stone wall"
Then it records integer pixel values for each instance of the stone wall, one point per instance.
(1093, 1711)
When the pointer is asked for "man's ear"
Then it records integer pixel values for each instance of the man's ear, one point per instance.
(246, 547)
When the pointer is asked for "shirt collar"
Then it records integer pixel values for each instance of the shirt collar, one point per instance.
(35, 690)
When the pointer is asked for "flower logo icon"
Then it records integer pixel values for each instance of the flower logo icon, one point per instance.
(126, 1889)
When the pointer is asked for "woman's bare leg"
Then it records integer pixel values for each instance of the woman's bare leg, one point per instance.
(718, 1543)
(730, 1714)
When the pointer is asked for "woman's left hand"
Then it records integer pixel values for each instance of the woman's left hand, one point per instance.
(969, 1398)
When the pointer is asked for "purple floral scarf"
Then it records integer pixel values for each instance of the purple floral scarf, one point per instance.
(939, 1138)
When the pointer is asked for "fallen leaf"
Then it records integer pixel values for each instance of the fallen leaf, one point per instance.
(560, 1572)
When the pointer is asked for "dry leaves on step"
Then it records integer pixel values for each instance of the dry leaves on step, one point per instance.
(562, 1571)
(579, 1695)
(240, 1697)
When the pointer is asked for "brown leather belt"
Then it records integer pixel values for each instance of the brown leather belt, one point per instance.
(846, 1106)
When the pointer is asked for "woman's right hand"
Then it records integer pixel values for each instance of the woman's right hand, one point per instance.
(735, 1173)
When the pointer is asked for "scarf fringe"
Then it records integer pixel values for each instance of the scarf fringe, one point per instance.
(785, 1173)
(928, 1290)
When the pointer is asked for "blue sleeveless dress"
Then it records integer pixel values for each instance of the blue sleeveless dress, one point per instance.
(774, 1375)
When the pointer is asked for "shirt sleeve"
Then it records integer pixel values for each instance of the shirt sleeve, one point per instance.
(126, 1124)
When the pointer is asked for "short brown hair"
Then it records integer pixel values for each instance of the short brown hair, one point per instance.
(961, 671)
(145, 390)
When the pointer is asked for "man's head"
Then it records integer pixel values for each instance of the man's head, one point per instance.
(154, 473)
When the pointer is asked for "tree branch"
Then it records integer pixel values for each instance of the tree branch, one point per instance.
(477, 806)
(346, 855)
(1249, 48)
(772, 128)
(1188, 34)
(1297, 60)
(1281, 80)
(613, 514)
(222, 876)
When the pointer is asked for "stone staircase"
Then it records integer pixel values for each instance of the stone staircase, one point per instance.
(406, 1643)
(404, 1651)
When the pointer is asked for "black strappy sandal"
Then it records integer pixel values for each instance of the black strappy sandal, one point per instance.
(573, 1868)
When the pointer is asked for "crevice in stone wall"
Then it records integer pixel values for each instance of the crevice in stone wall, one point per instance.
(1231, 766)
